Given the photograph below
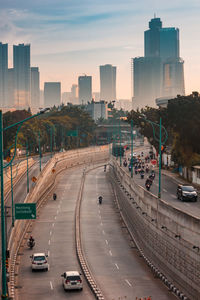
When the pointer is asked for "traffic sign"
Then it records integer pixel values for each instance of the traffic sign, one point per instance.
(25, 211)
(72, 133)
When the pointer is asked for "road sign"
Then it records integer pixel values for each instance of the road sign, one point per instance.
(72, 133)
(25, 211)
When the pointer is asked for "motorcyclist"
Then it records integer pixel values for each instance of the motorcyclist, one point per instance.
(31, 239)
(148, 181)
(100, 199)
(142, 174)
(54, 196)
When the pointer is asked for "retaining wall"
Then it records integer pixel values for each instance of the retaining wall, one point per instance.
(165, 233)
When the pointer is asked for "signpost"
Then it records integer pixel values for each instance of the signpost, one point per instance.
(25, 211)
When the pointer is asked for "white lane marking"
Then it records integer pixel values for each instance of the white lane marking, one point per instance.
(101, 224)
(49, 242)
(103, 231)
(110, 252)
(50, 232)
(164, 190)
(57, 212)
(172, 195)
(48, 253)
(106, 242)
(55, 217)
(53, 224)
(116, 265)
(128, 282)
(51, 285)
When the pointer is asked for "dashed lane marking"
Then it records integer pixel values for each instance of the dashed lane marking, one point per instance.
(48, 253)
(164, 190)
(50, 232)
(51, 285)
(53, 224)
(128, 282)
(106, 242)
(110, 252)
(49, 242)
(116, 265)
(103, 231)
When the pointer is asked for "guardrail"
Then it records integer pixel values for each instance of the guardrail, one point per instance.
(44, 185)
(168, 237)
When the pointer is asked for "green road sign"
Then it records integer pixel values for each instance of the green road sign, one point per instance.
(72, 133)
(25, 211)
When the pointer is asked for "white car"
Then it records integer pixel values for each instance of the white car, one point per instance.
(39, 261)
(72, 280)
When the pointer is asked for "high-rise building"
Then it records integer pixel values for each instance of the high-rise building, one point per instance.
(107, 82)
(35, 87)
(3, 74)
(85, 89)
(22, 75)
(52, 94)
(11, 99)
(160, 72)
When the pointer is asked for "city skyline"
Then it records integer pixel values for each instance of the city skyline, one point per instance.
(75, 37)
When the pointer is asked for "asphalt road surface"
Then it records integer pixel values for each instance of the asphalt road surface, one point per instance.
(113, 260)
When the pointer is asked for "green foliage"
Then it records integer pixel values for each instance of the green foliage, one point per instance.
(181, 119)
(56, 123)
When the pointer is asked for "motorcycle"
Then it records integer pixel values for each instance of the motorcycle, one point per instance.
(148, 186)
(31, 244)
(54, 196)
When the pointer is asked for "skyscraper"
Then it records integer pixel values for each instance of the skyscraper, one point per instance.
(22, 75)
(35, 87)
(107, 82)
(3, 74)
(85, 89)
(52, 94)
(160, 72)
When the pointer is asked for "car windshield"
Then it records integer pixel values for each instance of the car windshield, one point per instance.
(188, 188)
(39, 258)
(71, 278)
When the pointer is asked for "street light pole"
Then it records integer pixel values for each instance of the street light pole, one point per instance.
(27, 168)
(4, 294)
(131, 148)
(120, 150)
(160, 159)
(39, 150)
(12, 201)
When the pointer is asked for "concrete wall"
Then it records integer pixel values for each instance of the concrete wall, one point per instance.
(165, 234)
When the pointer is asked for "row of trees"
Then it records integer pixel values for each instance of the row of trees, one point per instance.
(181, 119)
(58, 122)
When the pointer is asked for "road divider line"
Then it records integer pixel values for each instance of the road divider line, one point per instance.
(106, 242)
(49, 242)
(110, 252)
(116, 265)
(55, 217)
(128, 282)
(53, 224)
(164, 190)
(48, 253)
(50, 233)
(103, 231)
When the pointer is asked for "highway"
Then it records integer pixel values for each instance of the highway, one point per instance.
(114, 261)
(168, 188)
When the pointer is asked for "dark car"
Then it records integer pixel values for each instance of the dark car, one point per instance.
(186, 192)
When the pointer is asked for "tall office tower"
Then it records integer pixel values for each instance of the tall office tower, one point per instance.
(35, 87)
(52, 94)
(85, 89)
(107, 82)
(11, 88)
(3, 74)
(22, 75)
(160, 72)
(74, 91)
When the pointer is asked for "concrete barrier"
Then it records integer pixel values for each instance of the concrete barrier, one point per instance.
(38, 194)
(168, 237)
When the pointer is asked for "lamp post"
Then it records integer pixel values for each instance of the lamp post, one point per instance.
(120, 150)
(39, 148)
(131, 148)
(4, 293)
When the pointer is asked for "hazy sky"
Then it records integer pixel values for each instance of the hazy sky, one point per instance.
(72, 37)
